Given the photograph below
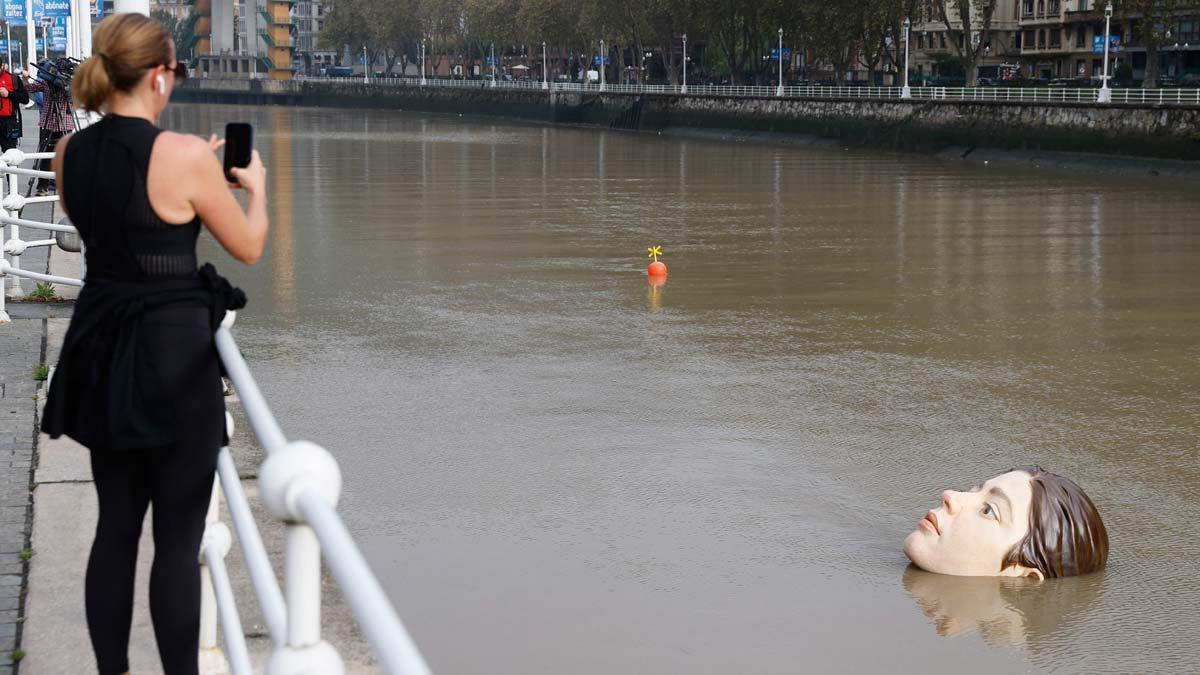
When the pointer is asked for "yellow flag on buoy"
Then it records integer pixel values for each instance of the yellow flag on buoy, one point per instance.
(654, 252)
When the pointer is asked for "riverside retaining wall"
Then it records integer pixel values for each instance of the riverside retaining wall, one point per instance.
(1139, 130)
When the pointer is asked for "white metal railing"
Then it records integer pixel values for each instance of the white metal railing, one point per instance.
(1188, 97)
(13, 203)
(299, 483)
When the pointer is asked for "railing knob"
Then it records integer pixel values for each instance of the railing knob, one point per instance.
(12, 157)
(14, 201)
(217, 538)
(298, 466)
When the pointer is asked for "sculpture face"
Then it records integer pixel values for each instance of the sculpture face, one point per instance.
(972, 533)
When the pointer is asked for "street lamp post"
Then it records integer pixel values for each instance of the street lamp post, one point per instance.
(545, 68)
(366, 79)
(683, 89)
(906, 91)
(603, 66)
(779, 89)
(1105, 94)
(422, 63)
(493, 64)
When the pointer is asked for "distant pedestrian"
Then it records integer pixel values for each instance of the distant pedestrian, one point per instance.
(139, 380)
(12, 95)
(56, 120)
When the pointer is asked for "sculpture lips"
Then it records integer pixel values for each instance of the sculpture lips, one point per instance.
(931, 518)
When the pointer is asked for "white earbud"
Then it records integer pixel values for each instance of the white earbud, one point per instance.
(161, 82)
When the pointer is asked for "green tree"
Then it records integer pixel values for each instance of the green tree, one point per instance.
(969, 27)
(182, 32)
(1152, 23)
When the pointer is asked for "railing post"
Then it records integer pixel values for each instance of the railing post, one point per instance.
(4, 318)
(14, 187)
(298, 468)
(212, 659)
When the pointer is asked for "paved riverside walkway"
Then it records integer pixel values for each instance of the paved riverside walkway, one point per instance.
(22, 349)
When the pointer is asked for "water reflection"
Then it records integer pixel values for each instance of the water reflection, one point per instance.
(1003, 611)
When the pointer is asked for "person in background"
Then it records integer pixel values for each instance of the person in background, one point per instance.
(12, 96)
(56, 120)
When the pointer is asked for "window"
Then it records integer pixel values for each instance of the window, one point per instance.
(1041, 7)
(1189, 29)
(942, 40)
(1054, 7)
(1055, 38)
(1041, 39)
(1027, 8)
(1081, 36)
(1029, 41)
(921, 41)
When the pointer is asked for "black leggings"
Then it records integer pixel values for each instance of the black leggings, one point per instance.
(178, 480)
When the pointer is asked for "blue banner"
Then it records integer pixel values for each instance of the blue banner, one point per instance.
(14, 12)
(598, 60)
(1114, 43)
(787, 53)
(58, 35)
(491, 60)
(57, 8)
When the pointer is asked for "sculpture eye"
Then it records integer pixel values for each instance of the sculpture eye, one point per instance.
(989, 511)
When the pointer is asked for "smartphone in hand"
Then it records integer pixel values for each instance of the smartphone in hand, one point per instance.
(239, 143)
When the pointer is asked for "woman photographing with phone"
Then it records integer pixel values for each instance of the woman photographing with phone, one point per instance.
(138, 381)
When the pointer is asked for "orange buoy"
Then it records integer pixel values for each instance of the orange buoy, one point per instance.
(657, 280)
(656, 268)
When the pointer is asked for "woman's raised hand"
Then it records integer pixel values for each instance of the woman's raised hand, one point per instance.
(253, 178)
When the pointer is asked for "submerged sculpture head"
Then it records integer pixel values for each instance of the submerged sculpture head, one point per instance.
(1027, 522)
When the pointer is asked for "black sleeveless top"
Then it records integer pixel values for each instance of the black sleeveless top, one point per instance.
(139, 367)
(104, 172)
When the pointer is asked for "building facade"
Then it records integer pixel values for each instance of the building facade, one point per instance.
(1065, 39)
(309, 17)
(179, 10)
(936, 58)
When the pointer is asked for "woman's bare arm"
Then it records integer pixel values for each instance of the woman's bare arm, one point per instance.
(242, 233)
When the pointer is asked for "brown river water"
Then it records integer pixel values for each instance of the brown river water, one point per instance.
(555, 467)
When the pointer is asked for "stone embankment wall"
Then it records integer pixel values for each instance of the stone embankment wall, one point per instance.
(1158, 131)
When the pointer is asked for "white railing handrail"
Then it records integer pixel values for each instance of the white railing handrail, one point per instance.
(1047, 94)
(299, 483)
(262, 575)
(11, 206)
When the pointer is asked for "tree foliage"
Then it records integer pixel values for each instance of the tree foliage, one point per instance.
(729, 40)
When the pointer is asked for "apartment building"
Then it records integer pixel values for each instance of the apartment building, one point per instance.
(1065, 38)
(309, 17)
(1058, 38)
(936, 57)
(178, 9)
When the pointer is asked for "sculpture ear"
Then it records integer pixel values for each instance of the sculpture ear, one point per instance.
(1016, 570)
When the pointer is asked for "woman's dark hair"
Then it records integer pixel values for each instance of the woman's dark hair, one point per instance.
(1066, 535)
(123, 48)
